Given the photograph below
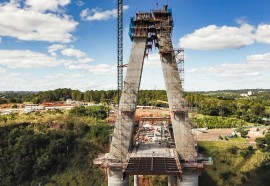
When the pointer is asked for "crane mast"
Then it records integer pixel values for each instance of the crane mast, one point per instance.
(120, 48)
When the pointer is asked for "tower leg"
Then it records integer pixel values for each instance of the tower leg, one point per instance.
(136, 180)
(127, 106)
(115, 178)
(170, 180)
(175, 95)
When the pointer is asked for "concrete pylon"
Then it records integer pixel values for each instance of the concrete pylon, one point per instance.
(122, 135)
(148, 30)
(175, 98)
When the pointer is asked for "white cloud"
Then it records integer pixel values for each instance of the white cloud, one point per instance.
(86, 60)
(45, 5)
(2, 70)
(108, 86)
(28, 59)
(21, 81)
(70, 52)
(78, 67)
(79, 3)
(191, 70)
(250, 74)
(241, 20)
(95, 69)
(255, 65)
(153, 61)
(259, 61)
(263, 33)
(56, 47)
(102, 69)
(14, 81)
(213, 37)
(30, 25)
(63, 75)
(98, 14)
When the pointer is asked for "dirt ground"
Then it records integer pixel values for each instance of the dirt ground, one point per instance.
(213, 134)
(142, 112)
(255, 133)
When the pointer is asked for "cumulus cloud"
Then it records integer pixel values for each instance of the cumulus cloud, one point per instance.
(263, 33)
(213, 37)
(63, 75)
(28, 59)
(95, 69)
(261, 61)
(241, 20)
(252, 73)
(86, 60)
(22, 81)
(98, 14)
(53, 48)
(79, 3)
(102, 69)
(254, 66)
(32, 25)
(2, 70)
(153, 61)
(70, 52)
(16, 81)
(45, 5)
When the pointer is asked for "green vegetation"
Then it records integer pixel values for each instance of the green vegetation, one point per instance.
(55, 148)
(221, 109)
(264, 143)
(252, 109)
(235, 164)
(58, 147)
(243, 132)
(219, 122)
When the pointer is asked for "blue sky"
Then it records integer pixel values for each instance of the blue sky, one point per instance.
(49, 44)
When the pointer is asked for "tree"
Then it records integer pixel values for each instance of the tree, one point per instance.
(264, 143)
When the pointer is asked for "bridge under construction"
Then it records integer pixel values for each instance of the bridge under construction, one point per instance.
(160, 146)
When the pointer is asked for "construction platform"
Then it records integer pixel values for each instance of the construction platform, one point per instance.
(153, 151)
(152, 166)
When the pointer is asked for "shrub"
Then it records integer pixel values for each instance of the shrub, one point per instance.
(226, 175)
(233, 150)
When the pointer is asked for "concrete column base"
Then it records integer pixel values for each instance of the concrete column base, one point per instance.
(115, 178)
(136, 180)
(170, 180)
(189, 179)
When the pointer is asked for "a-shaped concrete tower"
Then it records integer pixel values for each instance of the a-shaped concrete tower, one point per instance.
(147, 30)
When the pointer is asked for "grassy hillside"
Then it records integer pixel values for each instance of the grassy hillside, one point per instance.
(235, 164)
(55, 148)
